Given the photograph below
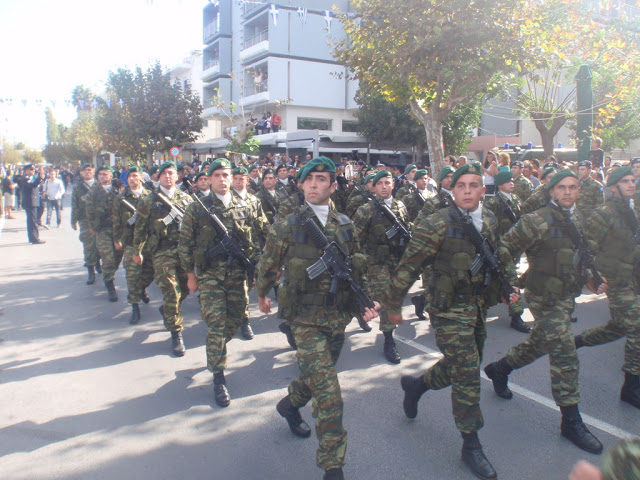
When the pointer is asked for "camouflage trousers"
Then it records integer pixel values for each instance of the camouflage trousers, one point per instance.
(172, 281)
(625, 322)
(318, 352)
(111, 257)
(551, 334)
(89, 248)
(379, 277)
(223, 306)
(139, 277)
(461, 341)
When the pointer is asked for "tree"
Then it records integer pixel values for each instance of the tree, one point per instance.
(436, 55)
(11, 155)
(85, 135)
(55, 151)
(33, 156)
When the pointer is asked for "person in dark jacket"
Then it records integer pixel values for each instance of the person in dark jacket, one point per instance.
(31, 201)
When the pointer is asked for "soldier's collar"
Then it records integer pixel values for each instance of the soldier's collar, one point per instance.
(507, 195)
(168, 193)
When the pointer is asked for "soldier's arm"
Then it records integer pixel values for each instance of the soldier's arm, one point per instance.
(116, 220)
(141, 230)
(598, 227)
(92, 211)
(187, 241)
(272, 257)
(361, 222)
(491, 204)
(524, 234)
(75, 204)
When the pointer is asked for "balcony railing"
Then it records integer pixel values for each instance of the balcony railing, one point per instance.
(251, 5)
(212, 63)
(255, 88)
(210, 30)
(260, 37)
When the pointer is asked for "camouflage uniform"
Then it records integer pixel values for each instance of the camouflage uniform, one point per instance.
(152, 235)
(290, 203)
(522, 187)
(611, 235)
(99, 205)
(79, 216)
(359, 196)
(139, 277)
(591, 196)
(457, 305)
(270, 203)
(406, 189)
(414, 203)
(434, 204)
(538, 199)
(290, 188)
(622, 462)
(318, 322)
(223, 287)
(341, 196)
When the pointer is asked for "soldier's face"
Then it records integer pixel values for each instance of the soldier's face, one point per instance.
(468, 191)
(507, 187)
(636, 170)
(583, 173)
(565, 192)
(383, 187)
(134, 179)
(203, 183)
(220, 181)
(168, 178)
(269, 181)
(317, 188)
(282, 173)
(516, 170)
(627, 186)
(421, 183)
(239, 182)
(412, 174)
(88, 173)
(369, 186)
(104, 177)
(446, 182)
(254, 173)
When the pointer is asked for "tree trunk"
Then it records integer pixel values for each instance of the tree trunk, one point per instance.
(432, 121)
(547, 133)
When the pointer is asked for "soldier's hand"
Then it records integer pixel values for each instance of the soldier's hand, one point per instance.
(192, 282)
(137, 259)
(514, 297)
(583, 470)
(371, 313)
(601, 289)
(117, 245)
(395, 318)
(264, 303)
(74, 226)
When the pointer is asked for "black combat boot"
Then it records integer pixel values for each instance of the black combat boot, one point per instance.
(286, 329)
(333, 474)
(630, 392)
(177, 345)
(91, 279)
(390, 350)
(111, 291)
(220, 392)
(291, 414)
(135, 314)
(473, 457)
(574, 429)
(275, 292)
(413, 388)
(145, 296)
(499, 372)
(518, 324)
(363, 325)
(579, 341)
(419, 304)
(99, 267)
(247, 332)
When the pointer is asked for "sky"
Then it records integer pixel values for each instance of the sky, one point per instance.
(50, 46)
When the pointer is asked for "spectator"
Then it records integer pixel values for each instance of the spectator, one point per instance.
(276, 121)
(490, 168)
(504, 160)
(451, 160)
(31, 201)
(462, 160)
(527, 171)
(7, 192)
(53, 191)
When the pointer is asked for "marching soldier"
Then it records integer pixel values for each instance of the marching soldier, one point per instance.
(268, 196)
(319, 313)
(139, 277)
(457, 307)
(221, 276)
(540, 196)
(285, 182)
(523, 187)
(156, 231)
(254, 179)
(591, 191)
(99, 214)
(79, 217)
(415, 201)
(551, 236)
(201, 182)
(409, 184)
(360, 195)
(382, 253)
(505, 205)
(613, 229)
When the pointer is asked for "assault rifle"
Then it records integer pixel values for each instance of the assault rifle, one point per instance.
(487, 256)
(266, 199)
(445, 199)
(506, 208)
(231, 243)
(334, 260)
(398, 226)
(132, 219)
(174, 212)
(582, 259)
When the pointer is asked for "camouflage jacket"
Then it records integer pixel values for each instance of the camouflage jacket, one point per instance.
(122, 230)
(500, 210)
(270, 203)
(433, 204)
(591, 196)
(523, 187)
(290, 187)
(414, 203)
(405, 189)
(79, 201)
(261, 223)
(99, 205)
(538, 199)
(357, 198)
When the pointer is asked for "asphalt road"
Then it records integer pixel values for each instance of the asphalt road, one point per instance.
(87, 396)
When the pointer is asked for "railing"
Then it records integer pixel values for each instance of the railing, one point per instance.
(251, 5)
(260, 37)
(210, 30)
(212, 63)
(255, 88)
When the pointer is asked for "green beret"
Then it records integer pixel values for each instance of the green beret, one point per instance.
(153, 169)
(267, 171)
(560, 175)
(201, 174)
(381, 174)
(472, 168)
(134, 169)
(298, 173)
(446, 170)
(369, 177)
(87, 165)
(420, 174)
(546, 172)
(164, 166)
(252, 168)
(218, 164)
(409, 168)
(502, 177)
(239, 171)
(281, 166)
(318, 164)
(617, 174)
(105, 167)
(180, 168)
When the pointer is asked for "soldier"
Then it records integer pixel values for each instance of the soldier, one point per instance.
(415, 200)
(319, 316)
(289, 203)
(551, 287)
(457, 307)
(153, 174)
(285, 182)
(505, 205)
(540, 196)
(156, 231)
(79, 217)
(254, 178)
(221, 278)
(268, 196)
(260, 226)
(409, 184)
(201, 181)
(100, 216)
(382, 253)
(612, 230)
(591, 191)
(523, 187)
(341, 196)
(360, 195)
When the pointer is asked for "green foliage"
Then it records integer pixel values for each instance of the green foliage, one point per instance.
(242, 141)
(33, 156)
(11, 155)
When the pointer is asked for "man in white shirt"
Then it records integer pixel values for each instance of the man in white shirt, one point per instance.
(54, 190)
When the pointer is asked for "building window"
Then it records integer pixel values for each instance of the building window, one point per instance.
(350, 126)
(306, 123)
